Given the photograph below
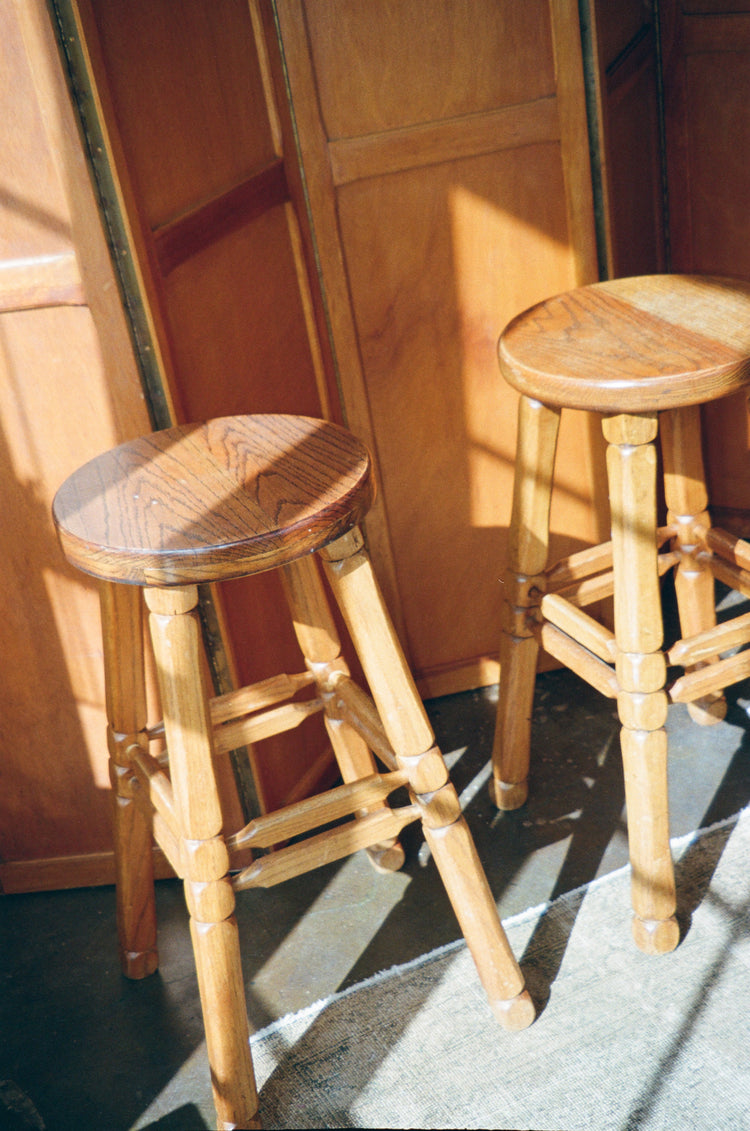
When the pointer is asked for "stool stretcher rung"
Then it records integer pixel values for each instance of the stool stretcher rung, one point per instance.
(333, 844)
(729, 547)
(731, 575)
(258, 695)
(159, 789)
(354, 706)
(586, 590)
(595, 559)
(584, 663)
(709, 644)
(168, 843)
(712, 677)
(231, 735)
(583, 564)
(583, 628)
(313, 812)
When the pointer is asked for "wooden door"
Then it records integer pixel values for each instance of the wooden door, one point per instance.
(706, 51)
(445, 152)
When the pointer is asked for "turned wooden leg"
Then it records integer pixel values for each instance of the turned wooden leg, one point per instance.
(528, 540)
(122, 635)
(687, 503)
(320, 645)
(641, 671)
(176, 634)
(410, 734)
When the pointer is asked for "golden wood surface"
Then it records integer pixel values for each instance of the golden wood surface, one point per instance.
(210, 502)
(642, 352)
(445, 196)
(577, 349)
(244, 494)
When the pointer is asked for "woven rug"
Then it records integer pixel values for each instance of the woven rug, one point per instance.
(623, 1041)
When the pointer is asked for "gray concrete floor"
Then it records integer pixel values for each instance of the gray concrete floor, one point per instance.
(89, 1049)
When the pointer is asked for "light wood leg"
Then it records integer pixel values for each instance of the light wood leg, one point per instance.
(122, 635)
(176, 635)
(410, 734)
(641, 671)
(320, 645)
(687, 502)
(528, 540)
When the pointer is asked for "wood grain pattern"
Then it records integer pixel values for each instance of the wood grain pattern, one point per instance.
(633, 345)
(69, 387)
(446, 157)
(202, 502)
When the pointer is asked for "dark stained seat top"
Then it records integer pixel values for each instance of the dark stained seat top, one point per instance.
(207, 502)
(633, 345)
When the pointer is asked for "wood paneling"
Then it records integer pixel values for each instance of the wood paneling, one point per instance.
(69, 388)
(707, 110)
(196, 143)
(446, 158)
(625, 65)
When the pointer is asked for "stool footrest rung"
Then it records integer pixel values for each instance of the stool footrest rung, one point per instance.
(313, 812)
(585, 590)
(733, 576)
(584, 663)
(709, 644)
(354, 706)
(231, 735)
(266, 693)
(584, 563)
(333, 844)
(729, 547)
(712, 677)
(579, 625)
(158, 788)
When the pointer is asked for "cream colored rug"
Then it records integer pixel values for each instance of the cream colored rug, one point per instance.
(623, 1041)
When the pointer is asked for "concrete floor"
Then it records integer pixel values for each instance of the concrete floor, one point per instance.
(83, 1048)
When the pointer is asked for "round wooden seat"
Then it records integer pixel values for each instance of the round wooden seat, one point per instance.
(633, 345)
(207, 502)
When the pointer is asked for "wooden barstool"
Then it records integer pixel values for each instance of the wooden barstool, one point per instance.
(645, 353)
(208, 502)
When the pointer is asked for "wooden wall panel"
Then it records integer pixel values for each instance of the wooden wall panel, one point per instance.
(428, 254)
(69, 389)
(446, 158)
(197, 144)
(707, 108)
(387, 59)
(626, 68)
(185, 89)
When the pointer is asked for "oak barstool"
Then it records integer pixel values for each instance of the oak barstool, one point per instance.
(645, 353)
(208, 502)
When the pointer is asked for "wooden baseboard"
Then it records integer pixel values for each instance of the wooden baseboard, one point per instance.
(480, 671)
(61, 873)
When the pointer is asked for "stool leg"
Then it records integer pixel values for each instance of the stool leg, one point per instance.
(176, 635)
(320, 645)
(687, 503)
(408, 730)
(528, 540)
(641, 671)
(122, 636)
